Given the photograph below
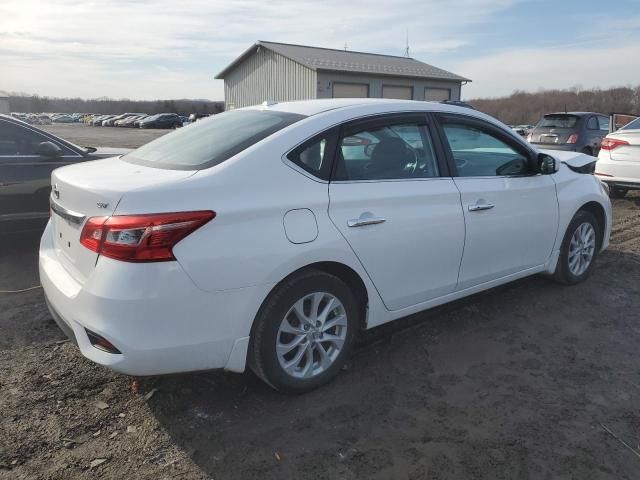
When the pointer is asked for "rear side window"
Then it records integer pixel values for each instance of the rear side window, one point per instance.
(558, 121)
(315, 155)
(603, 123)
(592, 124)
(211, 141)
(632, 125)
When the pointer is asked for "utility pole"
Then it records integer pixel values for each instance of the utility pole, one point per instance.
(406, 48)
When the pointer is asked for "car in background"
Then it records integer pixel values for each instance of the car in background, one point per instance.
(162, 120)
(129, 122)
(112, 121)
(28, 155)
(570, 131)
(520, 130)
(249, 239)
(618, 162)
(63, 119)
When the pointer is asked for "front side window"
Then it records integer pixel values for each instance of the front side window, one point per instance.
(603, 123)
(386, 152)
(211, 141)
(478, 153)
(20, 141)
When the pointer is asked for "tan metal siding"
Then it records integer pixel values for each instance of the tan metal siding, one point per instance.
(266, 75)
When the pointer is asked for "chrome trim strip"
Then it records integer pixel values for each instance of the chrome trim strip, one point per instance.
(68, 215)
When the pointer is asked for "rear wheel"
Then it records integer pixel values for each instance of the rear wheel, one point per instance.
(587, 151)
(304, 332)
(617, 192)
(579, 249)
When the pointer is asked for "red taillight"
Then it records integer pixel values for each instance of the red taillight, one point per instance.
(573, 138)
(611, 143)
(141, 238)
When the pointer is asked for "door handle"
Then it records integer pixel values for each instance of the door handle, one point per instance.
(362, 221)
(482, 206)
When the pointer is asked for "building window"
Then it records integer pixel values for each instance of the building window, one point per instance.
(437, 94)
(350, 90)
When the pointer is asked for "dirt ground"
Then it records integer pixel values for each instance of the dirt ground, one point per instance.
(531, 380)
(84, 135)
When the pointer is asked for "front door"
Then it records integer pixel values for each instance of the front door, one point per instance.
(397, 208)
(511, 213)
(25, 177)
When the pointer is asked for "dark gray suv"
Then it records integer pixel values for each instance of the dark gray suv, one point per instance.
(571, 131)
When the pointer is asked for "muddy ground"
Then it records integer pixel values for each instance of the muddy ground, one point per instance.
(531, 380)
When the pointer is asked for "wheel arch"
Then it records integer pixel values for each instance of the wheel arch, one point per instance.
(598, 211)
(340, 270)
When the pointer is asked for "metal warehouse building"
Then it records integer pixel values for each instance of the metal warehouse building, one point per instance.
(282, 72)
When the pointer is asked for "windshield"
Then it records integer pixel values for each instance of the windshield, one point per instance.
(558, 121)
(211, 141)
(635, 125)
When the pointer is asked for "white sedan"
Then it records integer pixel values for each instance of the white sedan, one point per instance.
(619, 159)
(269, 236)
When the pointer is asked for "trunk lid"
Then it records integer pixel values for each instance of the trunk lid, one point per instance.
(93, 189)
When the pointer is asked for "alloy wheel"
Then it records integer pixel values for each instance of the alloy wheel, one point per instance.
(582, 248)
(311, 335)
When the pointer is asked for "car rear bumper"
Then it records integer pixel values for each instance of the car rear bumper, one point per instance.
(152, 313)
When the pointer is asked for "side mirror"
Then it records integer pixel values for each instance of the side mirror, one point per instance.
(547, 164)
(49, 150)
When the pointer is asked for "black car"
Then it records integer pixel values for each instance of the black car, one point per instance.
(28, 155)
(162, 120)
(570, 131)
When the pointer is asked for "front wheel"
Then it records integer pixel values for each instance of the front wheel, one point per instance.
(304, 332)
(579, 249)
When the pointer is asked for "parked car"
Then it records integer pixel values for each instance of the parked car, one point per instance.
(28, 155)
(571, 131)
(129, 121)
(249, 239)
(63, 119)
(619, 159)
(162, 120)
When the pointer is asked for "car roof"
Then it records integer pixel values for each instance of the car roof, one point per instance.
(314, 107)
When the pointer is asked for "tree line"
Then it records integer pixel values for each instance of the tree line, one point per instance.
(38, 104)
(528, 108)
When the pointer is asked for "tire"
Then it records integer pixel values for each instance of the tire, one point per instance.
(567, 271)
(278, 313)
(617, 192)
(587, 151)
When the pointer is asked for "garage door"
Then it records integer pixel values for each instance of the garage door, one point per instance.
(392, 91)
(350, 90)
(437, 94)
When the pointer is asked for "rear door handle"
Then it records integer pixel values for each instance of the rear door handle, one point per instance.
(361, 222)
(482, 206)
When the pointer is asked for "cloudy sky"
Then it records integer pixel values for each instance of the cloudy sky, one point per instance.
(148, 49)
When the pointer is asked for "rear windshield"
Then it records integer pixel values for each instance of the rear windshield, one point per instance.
(211, 141)
(635, 125)
(558, 121)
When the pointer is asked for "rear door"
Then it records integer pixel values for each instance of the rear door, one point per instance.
(394, 202)
(25, 176)
(511, 214)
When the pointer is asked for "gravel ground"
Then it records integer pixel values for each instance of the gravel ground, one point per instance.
(530, 380)
(81, 134)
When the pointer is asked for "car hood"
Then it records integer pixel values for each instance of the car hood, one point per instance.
(573, 159)
(106, 152)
